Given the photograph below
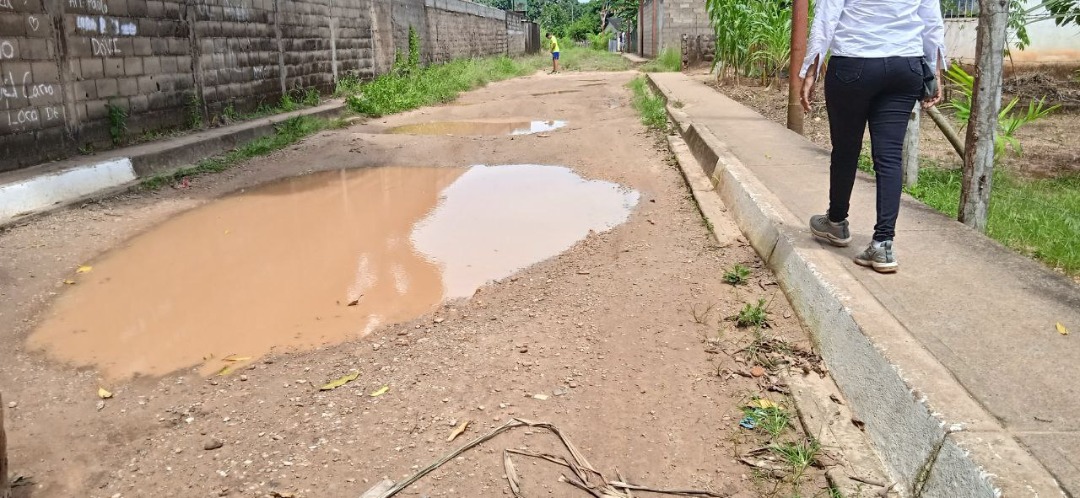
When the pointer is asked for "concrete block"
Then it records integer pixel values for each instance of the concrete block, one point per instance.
(44, 191)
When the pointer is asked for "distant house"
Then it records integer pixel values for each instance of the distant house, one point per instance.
(619, 33)
(662, 24)
(1050, 43)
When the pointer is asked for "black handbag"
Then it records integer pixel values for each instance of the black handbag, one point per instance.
(930, 82)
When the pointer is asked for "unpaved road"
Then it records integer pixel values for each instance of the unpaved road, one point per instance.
(605, 331)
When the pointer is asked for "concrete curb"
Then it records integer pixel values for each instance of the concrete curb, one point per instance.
(859, 340)
(46, 187)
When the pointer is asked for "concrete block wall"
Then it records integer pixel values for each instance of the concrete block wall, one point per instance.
(649, 27)
(662, 24)
(516, 34)
(173, 63)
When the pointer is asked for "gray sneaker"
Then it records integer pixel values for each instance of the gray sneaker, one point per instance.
(879, 256)
(836, 234)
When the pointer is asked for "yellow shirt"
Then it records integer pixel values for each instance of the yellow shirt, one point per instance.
(554, 44)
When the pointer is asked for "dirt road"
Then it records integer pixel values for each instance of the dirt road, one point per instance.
(617, 341)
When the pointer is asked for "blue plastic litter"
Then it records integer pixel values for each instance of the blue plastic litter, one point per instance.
(748, 422)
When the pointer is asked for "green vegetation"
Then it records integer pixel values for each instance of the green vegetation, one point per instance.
(754, 315)
(287, 133)
(753, 37)
(585, 59)
(737, 275)
(1008, 121)
(195, 111)
(670, 61)
(799, 455)
(651, 107)
(117, 123)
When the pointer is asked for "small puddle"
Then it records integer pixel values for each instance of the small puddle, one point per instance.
(277, 267)
(478, 128)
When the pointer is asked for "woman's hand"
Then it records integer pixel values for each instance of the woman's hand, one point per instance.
(936, 98)
(806, 96)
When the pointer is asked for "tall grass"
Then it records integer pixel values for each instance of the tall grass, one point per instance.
(669, 61)
(651, 107)
(574, 58)
(753, 37)
(400, 91)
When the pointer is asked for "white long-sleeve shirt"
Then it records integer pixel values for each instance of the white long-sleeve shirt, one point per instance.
(876, 28)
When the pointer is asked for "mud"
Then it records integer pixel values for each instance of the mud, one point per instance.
(476, 128)
(316, 260)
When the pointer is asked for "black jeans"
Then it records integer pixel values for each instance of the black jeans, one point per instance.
(881, 92)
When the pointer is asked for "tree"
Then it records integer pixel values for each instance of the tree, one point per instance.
(978, 170)
(1064, 11)
(554, 18)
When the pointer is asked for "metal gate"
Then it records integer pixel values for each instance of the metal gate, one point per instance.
(532, 38)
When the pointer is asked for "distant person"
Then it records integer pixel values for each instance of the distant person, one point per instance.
(884, 52)
(554, 53)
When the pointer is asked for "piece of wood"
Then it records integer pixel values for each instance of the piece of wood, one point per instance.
(800, 13)
(5, 488)
(947, 129)
(910, 165)
(983, 123)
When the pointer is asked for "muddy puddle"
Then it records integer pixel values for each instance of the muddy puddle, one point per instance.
(316, 260)
(478, 128)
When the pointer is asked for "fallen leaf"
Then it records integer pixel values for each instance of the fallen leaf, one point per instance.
(69, 282)
(1061, 329)
(382, 390)
(224, 371)
(354, 302)
(84, 269)
(103, 394)
(859, 423)
(511, 474)
(233, 357)
(763, 403)
(334, 384)
(458, 431)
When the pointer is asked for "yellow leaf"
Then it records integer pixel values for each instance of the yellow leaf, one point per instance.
(224, 371)
(457, 432)
(334, 384)
(233, 357)
(381, 391)
(763, 403)
(69, 282)
(84, 269)
(103, 394)
(1061, 329)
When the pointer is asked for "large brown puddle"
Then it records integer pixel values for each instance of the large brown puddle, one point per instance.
(316, 260)
(478, 128)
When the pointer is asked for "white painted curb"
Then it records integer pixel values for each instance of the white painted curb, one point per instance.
(42, 192)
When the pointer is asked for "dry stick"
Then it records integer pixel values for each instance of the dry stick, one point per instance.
(581, 486)
(5, 490)
(682, 492)
(947, 129)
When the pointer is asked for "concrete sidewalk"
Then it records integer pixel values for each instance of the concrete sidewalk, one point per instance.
(953, 363)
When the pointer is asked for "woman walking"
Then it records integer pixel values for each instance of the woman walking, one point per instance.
(875, 76)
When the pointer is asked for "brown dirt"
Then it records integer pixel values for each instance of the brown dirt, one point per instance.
(605, 330)
(1049, 145)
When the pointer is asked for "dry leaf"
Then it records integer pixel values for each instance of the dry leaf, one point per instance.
(458, 431)
(334, 384)
(1061, 329)
(103, 394)
(84, 269)
(233, 357)
(380, 392)
(69, 282)
(224, 371)
(511, 474)
(763, 403)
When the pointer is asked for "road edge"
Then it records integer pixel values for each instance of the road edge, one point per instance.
(40, 189)
(860, 339)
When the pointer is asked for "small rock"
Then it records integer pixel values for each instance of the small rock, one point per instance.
(213, 444)
(541, 397)
(13, 404)
(100, 405)
(757, 371)
(573, 385)
(439, 319)
(560, 392)
(243, 378)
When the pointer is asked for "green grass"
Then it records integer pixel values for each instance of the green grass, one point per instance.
(670, 61)
(438, 83)
(651, 107)
(737, 275)
(1037, 217)
(586, 59)
(800, 456)
(287, 133)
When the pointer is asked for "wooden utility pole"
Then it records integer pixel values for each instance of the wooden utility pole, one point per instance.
(800, 12)
(983, 122)
(910, 166)
(5, 488)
